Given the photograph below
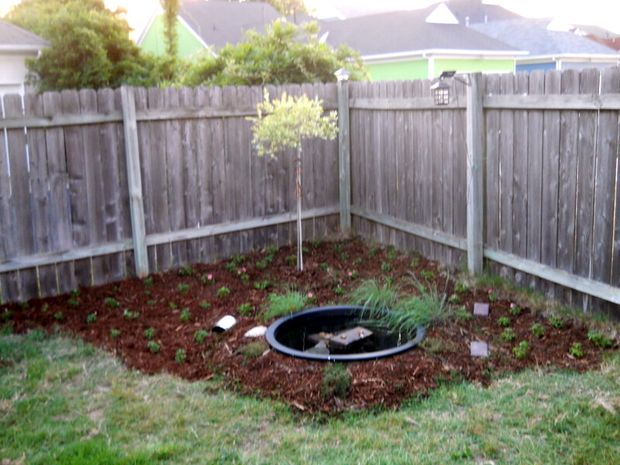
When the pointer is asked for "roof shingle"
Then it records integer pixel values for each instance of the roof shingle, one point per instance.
(12, 36)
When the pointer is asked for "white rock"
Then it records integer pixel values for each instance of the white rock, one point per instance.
(256, 331)
(479, 349)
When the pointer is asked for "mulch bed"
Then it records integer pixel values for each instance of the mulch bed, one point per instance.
(331, 270)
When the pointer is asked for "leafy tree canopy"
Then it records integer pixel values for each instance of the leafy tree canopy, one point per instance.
(289, 7)
(90, 46)
(285, 53)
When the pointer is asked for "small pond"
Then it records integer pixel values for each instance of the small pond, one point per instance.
(336, 334)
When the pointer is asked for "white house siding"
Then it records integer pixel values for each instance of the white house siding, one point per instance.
(13, 72)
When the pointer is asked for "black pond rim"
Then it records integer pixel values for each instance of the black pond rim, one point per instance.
(362, 356)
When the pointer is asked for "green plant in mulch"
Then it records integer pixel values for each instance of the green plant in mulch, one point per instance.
(130, 315)
(172, 305)
(115, 333)
(283, 304)
(148, 282)
(557, 322)
(503, 321)
(153, 347)
(521, 350)
(508, 335)
(91, 317)
(200, 336)
(59, 316)
(386, 267)
(149, 333)
(183, 288)
(262, 285)
(180, 356)
(223, 292)
(460, 287)
(336, 381)
(515, 310)
(111, 302)
(599, 339)
(186, 271)
(186, 315)
(454, 299)
(6, 314)
(391, 253)
(245, 309)
(207, 279)
(427, 275)
(576, 350)
(253, 350)
(537, 330)
(205, 305)
(338, 290)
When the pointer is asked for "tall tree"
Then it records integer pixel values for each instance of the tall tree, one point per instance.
(285, 53)
(171, 10)
(90, 45)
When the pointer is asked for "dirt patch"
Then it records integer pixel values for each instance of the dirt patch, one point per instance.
(177, 304)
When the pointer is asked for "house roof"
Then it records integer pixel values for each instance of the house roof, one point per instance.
(477, 11)
(14, 38)
(408, 31)
(532, 35)
(220, 22)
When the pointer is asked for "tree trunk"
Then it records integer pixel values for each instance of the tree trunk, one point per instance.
(300, 257)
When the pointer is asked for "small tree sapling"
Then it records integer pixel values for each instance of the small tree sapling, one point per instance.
(283, 124)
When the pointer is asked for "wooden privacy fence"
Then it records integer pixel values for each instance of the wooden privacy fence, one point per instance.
(544, 199)
(520, 170)
(96, 186)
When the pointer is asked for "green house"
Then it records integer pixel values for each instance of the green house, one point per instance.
(420, 44)
(207, 26)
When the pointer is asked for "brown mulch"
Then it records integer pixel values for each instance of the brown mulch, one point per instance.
(331, 270)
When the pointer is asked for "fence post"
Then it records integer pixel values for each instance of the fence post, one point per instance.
(134, 179)
(475, 174)
(344, 156)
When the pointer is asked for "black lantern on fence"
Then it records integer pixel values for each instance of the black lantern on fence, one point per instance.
(441, 89)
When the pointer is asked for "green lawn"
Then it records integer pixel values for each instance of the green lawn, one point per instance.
(64, 402)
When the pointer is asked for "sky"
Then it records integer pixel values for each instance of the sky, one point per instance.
(604, 13)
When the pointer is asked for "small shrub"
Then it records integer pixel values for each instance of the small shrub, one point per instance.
(374, 297)
(515, 310)
(283, 304)
(503, 321)
(200, 336)
(344, 256)
(183, 288)
(262, 285)
(338, 290)
(576, 350)
(557, 322)
(207, 279)
(271, 250)
(244, 277)
(599, 339)
(45, 307)
(454, 299)
(130, 315)
(291, 260)
(172, 305)
(111, 302)
(149, 333)
(537, 330)
(521, 350)
(115, 333)
(352, 274)
(372, 251)
(223, 292)
(508, 335)
(148, 282)
(231, 267)
(386, 267)
(245, 309)
(151, 302)
(204, 305)
(180, 356)
(185, 315)
(73, 301)
(186, 271)
(253, 349)
(153, 346)
(336, 381)
(6, 314)
(324, 266)
(91, 318)
(264, 262)
(59, 316)
(315, 244)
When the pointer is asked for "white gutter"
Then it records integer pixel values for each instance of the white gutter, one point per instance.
(22, 48)
(571, 56)
(443, 52)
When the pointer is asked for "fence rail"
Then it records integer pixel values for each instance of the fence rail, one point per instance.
(547, 153)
